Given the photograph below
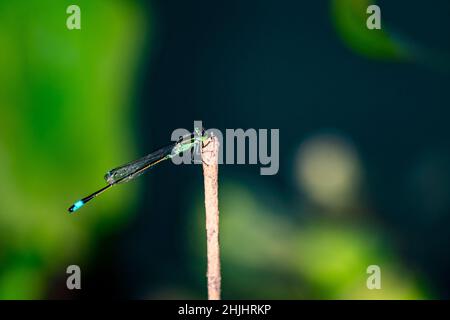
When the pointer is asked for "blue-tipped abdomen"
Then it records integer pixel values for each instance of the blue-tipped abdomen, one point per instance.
(77, 205)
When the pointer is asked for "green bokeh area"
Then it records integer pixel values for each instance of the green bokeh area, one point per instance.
(349, 16)
(65, 108)
(270, 253)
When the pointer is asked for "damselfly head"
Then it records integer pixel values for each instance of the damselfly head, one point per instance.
(199, 131)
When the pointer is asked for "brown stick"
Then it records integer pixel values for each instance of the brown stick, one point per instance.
(210, 156)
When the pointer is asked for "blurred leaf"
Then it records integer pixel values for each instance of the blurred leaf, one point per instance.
(350, 17)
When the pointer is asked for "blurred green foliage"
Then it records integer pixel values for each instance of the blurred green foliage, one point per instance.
(350, 17)
(269, 252)
(65, 104)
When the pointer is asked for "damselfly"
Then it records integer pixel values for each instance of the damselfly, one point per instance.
(133, 169)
